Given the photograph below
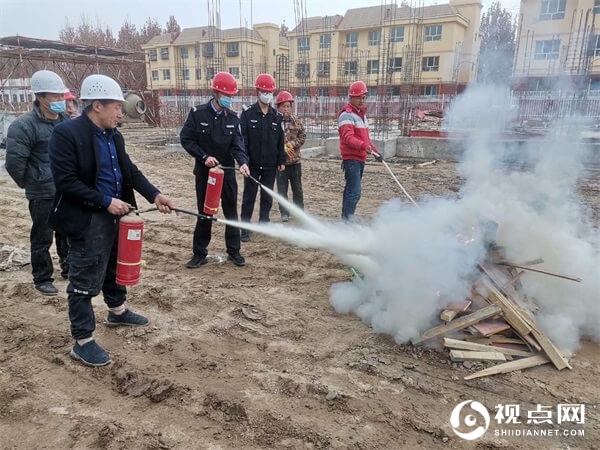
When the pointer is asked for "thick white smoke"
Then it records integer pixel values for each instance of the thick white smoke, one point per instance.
(529, 191)
(415, 260)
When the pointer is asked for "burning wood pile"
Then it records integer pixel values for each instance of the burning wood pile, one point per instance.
(497, 322)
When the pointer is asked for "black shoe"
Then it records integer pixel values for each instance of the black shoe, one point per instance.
(196, 261)
(237, 259)
(245, 236)
(47, 288)
(91, 354)
(128, 318)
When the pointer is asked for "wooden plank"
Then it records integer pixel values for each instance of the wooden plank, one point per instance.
(462, 345)
(464, 355)
(506, 340)
(550, 349)
(491, 326)
(511, 366)
(500, 276)
(535, 269)
(458, 324)
(453, 309)
(448, 314)
(510, 314)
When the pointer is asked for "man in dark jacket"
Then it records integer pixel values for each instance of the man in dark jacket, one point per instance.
(263, 134)
(28, 164)
(95, 180)
(211, 134)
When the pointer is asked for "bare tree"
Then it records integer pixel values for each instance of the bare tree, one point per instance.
(497, 33)
(128, 36)
(173, 26)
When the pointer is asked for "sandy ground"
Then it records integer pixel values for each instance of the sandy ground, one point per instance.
(251, 357)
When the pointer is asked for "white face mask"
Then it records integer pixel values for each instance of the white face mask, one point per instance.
(266, 97)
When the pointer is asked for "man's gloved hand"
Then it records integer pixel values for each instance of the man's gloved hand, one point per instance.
(377, 156)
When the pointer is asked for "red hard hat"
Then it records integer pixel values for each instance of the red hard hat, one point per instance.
(283, 96)
(69, 96)
(265, 82)
(357, 89)
(224, 83)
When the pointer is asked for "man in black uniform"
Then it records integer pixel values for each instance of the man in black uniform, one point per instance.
(263, 134)
(211, 134)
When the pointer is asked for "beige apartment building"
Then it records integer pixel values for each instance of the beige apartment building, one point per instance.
(558, 45)
(184, 64)
(422, 50)
(428, 50)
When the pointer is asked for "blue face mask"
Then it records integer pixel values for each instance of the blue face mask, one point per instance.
(225, 102)
(58, 107)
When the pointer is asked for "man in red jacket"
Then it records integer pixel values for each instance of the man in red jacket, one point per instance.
(355, 145)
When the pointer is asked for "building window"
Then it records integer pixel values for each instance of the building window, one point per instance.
(185, 74)
(397, 34)
(393, 90)
(431, 64)
(395, 64)
(433, 33)
(303, 44)
(325, 41)
(351, 68)
(233, 49)
(303, 70)
(429, 90)
(210, 73)
(373, 67)
(197, 51)
(352, 40)
(554, 9)
(164, 53)
(184, 52)
(155, 75)
(235, 71)
(596, 6)
(323, 69)
(166, 74)
(374, 37)
(303, 92)
(209, 50)
(152, 56)
(547, 49)
(198, 74)
(323, 92)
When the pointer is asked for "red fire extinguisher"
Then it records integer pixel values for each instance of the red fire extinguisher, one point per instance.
(214, 185)
(129, 250)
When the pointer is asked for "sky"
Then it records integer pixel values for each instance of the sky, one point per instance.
(43, 19)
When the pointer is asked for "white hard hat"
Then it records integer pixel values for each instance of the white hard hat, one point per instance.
(101, 87)
(47, 81)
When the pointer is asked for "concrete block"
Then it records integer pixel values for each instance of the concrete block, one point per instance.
(386, 147)
(332, 146)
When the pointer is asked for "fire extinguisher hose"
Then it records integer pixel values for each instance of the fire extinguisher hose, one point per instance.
(177, 210)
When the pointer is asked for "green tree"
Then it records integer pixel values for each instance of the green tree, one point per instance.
(497, 32)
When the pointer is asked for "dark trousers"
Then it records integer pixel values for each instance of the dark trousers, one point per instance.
(41, 237)
(92, 268)
(266, 177)
(353, 172)
(203, 229)
(291, 176)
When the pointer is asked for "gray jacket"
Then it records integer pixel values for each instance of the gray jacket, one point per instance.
(27, 160)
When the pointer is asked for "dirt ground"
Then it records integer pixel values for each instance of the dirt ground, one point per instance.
(251, 357)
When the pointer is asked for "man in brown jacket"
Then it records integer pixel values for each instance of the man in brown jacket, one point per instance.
(294, 139)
